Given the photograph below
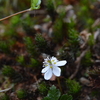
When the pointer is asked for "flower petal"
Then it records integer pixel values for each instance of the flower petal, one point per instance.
(56, 71)
(54, 59)
(61, 63)
(45, 69)
(48, 74)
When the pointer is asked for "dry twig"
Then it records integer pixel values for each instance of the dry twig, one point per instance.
(5, 90)
(77, 63)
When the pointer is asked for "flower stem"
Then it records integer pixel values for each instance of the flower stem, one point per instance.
(59, 84)
(15, 14)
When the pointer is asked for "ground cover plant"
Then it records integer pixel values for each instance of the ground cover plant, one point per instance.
(49, 50)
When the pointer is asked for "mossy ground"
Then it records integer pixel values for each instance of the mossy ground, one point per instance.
(66, 29)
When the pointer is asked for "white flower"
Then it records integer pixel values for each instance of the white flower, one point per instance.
(51, 67)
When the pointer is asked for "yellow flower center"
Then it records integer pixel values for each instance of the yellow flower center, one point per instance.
(49, 62)
(46, 65)
(54, 62)
(51, 67)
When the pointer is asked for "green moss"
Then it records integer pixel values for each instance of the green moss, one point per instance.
(84, 14)
(60, 2)
(43, 88)
(15, 21)
(51, 9)
(34, 63)
(5, 97)
(91, 40)
(30, 46)
(73, 87)
(8, 71)
(11, 73)
(11, 29)
(41, 43)
(21, 94)
(73, 37)
(50, 6)
(27, 24)
(86, 61)
(58, 27)
(59, 30)
(95, 93)
(4, 47)
(21, 60)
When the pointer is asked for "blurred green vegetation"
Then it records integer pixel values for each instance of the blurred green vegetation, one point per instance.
(8, 7)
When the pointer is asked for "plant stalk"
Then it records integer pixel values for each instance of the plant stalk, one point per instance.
(15, 14)
(59, 84)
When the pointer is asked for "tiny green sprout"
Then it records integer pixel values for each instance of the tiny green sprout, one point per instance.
(35, 4)
(21, 94)
(8, 71)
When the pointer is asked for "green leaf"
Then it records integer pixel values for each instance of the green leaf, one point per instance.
(66, 97)
(53, 94)
(35, 4)
(46, 98)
